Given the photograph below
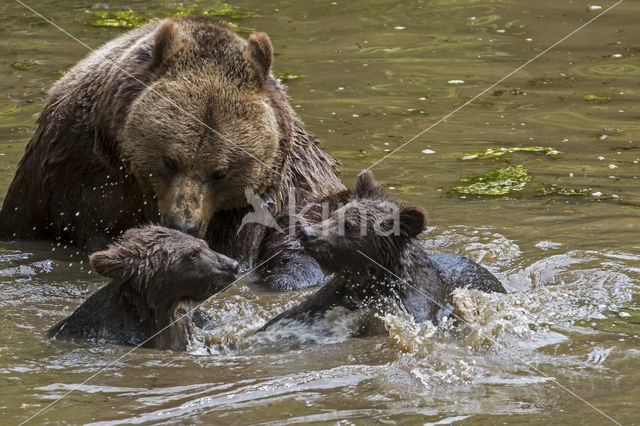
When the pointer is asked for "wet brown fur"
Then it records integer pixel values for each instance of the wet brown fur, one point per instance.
(125, 139)
(372, 259)
(157, 275)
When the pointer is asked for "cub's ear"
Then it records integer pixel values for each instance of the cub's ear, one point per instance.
(366, 184)
(413, 220)
(259, 53)
(112, 263)
(167, 43)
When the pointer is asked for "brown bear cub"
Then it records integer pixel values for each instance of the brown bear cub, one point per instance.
(158, 276)
(370, 246)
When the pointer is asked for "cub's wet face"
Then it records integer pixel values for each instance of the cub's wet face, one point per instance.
(159, 267)
(370, 225)
(196, 272)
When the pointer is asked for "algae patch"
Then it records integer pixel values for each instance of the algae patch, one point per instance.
(541, 80)
(23, 65)
(286, 76)
(127, 19)
(597, 99)
(499, 152)
(552, 189)
(496, 182)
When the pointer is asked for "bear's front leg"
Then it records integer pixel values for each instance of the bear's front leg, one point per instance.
(287, 266)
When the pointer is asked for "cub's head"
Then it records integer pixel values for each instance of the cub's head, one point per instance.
(209, 124)
(370, 222)
(157, 268)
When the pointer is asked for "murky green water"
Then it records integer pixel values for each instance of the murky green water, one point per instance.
(375, 75)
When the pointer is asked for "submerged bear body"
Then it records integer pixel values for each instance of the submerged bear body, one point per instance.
(172, 123)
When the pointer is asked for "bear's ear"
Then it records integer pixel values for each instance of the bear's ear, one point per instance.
(167, 43)
(259, 52)
(366, 184)
(112, 263)
(413, 220)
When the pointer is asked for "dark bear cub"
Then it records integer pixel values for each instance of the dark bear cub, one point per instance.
(370, 246)
(157, 276)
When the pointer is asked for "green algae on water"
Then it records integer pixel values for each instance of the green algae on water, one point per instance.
(541, 80)
(496, 182)
(240, 29)
(597, 99)
(499, 152)
(23, 65)
(286, 76)
(126, 19)
(517, 91)
(552, 189)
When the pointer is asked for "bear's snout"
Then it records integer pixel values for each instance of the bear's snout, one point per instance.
(185, 207)
(232, 267)
(228, 265)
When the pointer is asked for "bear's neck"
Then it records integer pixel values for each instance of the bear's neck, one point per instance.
(397, 259)
(411, 258)
(304, 166)
(170, 327)
(301, 163)
(105, 316)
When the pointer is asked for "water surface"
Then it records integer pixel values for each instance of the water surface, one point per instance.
(375, 74)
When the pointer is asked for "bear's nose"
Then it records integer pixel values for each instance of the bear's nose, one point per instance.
(234, 267)
(229, 265)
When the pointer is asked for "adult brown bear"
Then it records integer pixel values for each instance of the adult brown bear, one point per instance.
(171, 122)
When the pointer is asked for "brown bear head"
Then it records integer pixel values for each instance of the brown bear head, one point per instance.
(370, 222)
(207, 126)
(156, 269)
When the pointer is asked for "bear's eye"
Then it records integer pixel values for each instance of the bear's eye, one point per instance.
(218, 175)
(171, 165)
(193, 255)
